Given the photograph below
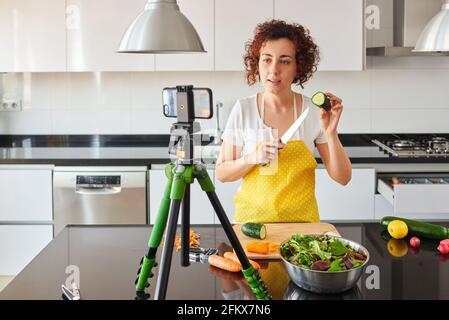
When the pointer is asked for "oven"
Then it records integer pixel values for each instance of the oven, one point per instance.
(99, 196)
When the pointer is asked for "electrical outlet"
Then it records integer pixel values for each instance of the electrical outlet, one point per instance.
(11, 105)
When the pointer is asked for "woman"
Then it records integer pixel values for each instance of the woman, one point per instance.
(284, 190)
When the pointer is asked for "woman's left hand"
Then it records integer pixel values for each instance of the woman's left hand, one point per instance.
(329, 119)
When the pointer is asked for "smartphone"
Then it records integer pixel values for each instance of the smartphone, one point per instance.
(202, 100)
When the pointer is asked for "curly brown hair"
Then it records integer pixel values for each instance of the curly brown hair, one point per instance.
(307, 52)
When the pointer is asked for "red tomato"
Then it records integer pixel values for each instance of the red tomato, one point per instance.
(414, 250)
(443, 247)
(415, 242)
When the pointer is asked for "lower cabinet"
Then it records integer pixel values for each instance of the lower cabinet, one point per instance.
(26, 214)
(26, 193)
(226, 192)
(355, 201)
(201, 210)
(19, 244)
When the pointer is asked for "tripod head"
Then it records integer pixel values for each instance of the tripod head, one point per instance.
(185, 134)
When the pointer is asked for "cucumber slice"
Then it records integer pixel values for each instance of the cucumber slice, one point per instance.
(254, 230)
(321, 100)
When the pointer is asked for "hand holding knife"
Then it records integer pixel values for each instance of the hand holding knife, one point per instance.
(291, 131)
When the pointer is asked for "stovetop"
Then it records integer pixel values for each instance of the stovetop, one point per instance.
(430, 145)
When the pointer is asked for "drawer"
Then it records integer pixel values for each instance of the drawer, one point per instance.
(416, 195)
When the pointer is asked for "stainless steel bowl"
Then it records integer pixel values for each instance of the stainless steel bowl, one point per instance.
(323, 281)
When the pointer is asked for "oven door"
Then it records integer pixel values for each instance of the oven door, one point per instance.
(417, 196)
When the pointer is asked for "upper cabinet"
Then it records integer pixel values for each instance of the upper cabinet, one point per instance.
(83, 35)
(32, 35)
(336, 26)
(201, 14)
(94, 31)
(234, 26)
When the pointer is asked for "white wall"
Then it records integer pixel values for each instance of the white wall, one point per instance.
(392, 95)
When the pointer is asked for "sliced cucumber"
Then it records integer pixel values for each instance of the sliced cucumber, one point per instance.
(321, 100)
(254, 230)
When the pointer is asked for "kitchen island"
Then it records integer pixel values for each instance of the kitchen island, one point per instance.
(103, 260)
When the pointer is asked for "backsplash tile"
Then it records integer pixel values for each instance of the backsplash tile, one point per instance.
(428, 119)
(388, 97)
(91, 121)
(26, 122)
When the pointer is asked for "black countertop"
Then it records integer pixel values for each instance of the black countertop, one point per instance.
(145, 150)
(106, 259)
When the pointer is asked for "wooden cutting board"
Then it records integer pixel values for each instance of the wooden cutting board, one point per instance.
(279, 232)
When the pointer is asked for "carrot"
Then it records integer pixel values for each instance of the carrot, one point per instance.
(235, 276)
(223, 263)
(272, 247)
(232, 256)
(258, 247)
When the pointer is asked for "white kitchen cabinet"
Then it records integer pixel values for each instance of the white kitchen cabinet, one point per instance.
(235, 22)
(201, 210)
(382, 207)
(94, 31)
(355, 201)
(32, 36)
(336, 26)
(19, 244)
(26, 193)
(201, 14)
(226, 192)
(415, 196)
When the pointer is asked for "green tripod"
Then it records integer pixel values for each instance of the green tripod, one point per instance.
(180, 175)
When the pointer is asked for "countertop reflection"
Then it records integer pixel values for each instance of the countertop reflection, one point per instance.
(104, 261)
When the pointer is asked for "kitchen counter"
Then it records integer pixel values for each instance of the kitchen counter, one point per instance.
(107, 259)
(147, 150)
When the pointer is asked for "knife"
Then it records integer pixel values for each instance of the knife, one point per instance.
(291, 131)
(295, 126)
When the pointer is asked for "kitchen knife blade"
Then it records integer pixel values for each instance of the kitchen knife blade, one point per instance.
(291, 131)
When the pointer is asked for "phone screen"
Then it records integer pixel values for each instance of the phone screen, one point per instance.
(202, 99)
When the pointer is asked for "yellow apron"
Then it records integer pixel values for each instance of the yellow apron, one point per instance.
(286, 193)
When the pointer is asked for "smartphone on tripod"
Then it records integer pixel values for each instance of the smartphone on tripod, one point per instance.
(202, 100)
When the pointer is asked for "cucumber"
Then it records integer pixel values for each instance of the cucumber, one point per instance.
(321, 100)
(254, 230)
(419, 228)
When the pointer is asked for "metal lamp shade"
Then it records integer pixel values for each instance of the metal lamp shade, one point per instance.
(435, 36)
(161, 28)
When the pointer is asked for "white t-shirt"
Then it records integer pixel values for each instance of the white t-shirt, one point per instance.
(246, 128)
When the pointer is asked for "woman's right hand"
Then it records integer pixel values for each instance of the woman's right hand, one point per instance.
(265, 152)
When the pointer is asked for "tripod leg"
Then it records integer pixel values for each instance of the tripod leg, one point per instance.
(149, 260)
(176, 196)
(185, 227)
(252, 276)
